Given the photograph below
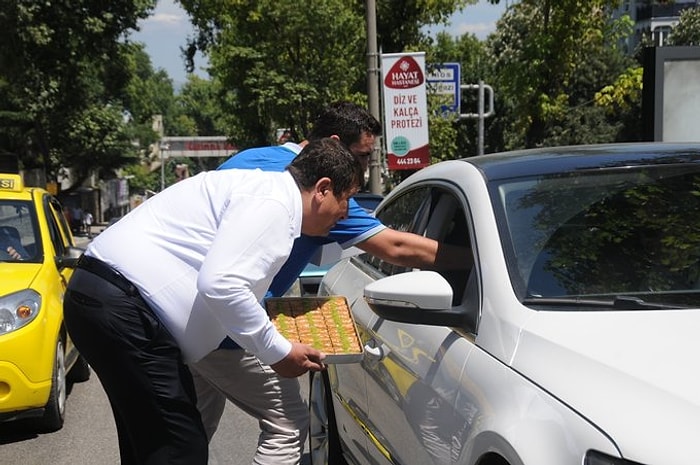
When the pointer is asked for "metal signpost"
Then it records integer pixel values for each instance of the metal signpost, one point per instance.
(444, 82)
(480, 115)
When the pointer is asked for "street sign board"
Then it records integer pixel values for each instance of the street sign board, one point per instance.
(405, 111)
(196, 146)
(443, 82)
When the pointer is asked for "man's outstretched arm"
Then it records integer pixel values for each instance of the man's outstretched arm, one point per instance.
(412, 250)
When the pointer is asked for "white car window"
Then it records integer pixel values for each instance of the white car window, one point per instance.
(408, 212)
(439, 214)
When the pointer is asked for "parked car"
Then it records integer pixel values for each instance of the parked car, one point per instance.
(37, 257)
(311, 276)
(571, 340)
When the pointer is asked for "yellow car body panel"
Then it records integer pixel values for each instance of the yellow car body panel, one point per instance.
(28, 354)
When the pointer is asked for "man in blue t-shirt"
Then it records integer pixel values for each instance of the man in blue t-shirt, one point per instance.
(357, 228)
(232, 373)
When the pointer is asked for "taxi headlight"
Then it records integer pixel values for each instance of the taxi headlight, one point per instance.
(18, 310)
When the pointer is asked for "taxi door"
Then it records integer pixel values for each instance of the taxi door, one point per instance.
(61, 239)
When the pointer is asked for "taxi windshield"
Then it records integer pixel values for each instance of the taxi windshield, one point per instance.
(18, 232)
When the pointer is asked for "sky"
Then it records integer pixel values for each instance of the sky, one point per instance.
(167, 30)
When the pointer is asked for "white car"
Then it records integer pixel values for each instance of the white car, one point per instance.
(573, 340)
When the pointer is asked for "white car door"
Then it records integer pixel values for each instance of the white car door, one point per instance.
(413, 374)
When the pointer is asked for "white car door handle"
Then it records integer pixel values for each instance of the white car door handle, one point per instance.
(376, 352)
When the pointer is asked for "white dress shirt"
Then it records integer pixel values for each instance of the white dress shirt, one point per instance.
(203, 253)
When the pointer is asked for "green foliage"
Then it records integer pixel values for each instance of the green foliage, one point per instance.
(286, 59)
(75, 92)
(443, 136)
(195, 111)
(687, 31)
(148, 92)
(142, 178)
(624, 93)
(400, 22)
(98, 130)
(451, 137)
(549, 60)
(200, 102)
(61, 76)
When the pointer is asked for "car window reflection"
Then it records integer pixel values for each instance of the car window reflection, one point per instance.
(632, 232)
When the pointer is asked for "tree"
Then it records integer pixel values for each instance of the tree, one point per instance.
(451, 137)
(202, 103)
(149, 91)
(285, 59)
(200, 100)
(61, 76)
(549, 59)
(400, 23)
(687, 31)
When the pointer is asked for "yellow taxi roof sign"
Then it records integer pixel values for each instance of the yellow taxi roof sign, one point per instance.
(11, 182)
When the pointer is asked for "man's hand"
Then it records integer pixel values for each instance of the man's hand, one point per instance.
(299, 360)
(13, 253)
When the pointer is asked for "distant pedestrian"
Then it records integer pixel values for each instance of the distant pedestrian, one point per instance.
(87, 223)
(76, 220)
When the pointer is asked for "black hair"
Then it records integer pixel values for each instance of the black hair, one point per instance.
(327, 158)
(346, 120)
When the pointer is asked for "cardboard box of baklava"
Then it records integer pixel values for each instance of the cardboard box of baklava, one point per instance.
(324, 323)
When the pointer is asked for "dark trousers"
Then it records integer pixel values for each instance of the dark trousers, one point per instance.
(141, 369)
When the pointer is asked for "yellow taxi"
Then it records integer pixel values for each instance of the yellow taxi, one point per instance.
(37, 258)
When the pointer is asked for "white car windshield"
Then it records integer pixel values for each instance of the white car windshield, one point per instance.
(604, 233)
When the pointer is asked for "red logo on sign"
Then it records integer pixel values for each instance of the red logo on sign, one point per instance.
(405, 74)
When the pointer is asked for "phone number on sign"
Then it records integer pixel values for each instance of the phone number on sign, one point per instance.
(408, 161)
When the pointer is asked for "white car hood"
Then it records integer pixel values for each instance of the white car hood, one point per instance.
(633, 374)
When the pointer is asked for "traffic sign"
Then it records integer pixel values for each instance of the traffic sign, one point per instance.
(444, 82)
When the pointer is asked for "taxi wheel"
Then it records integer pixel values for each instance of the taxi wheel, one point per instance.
(55, 409)
(324, 441)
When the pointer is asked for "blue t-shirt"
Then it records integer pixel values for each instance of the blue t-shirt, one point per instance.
(358, 227)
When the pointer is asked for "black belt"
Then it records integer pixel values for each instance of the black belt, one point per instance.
(106, 272)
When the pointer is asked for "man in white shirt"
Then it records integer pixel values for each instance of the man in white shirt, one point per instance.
(164, 285)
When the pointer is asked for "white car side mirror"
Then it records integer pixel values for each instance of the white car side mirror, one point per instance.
(422, 297)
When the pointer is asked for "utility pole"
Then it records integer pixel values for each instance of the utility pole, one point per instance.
(375, 161)
(160, 147)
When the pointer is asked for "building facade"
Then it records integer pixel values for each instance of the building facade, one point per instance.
(652, 19)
